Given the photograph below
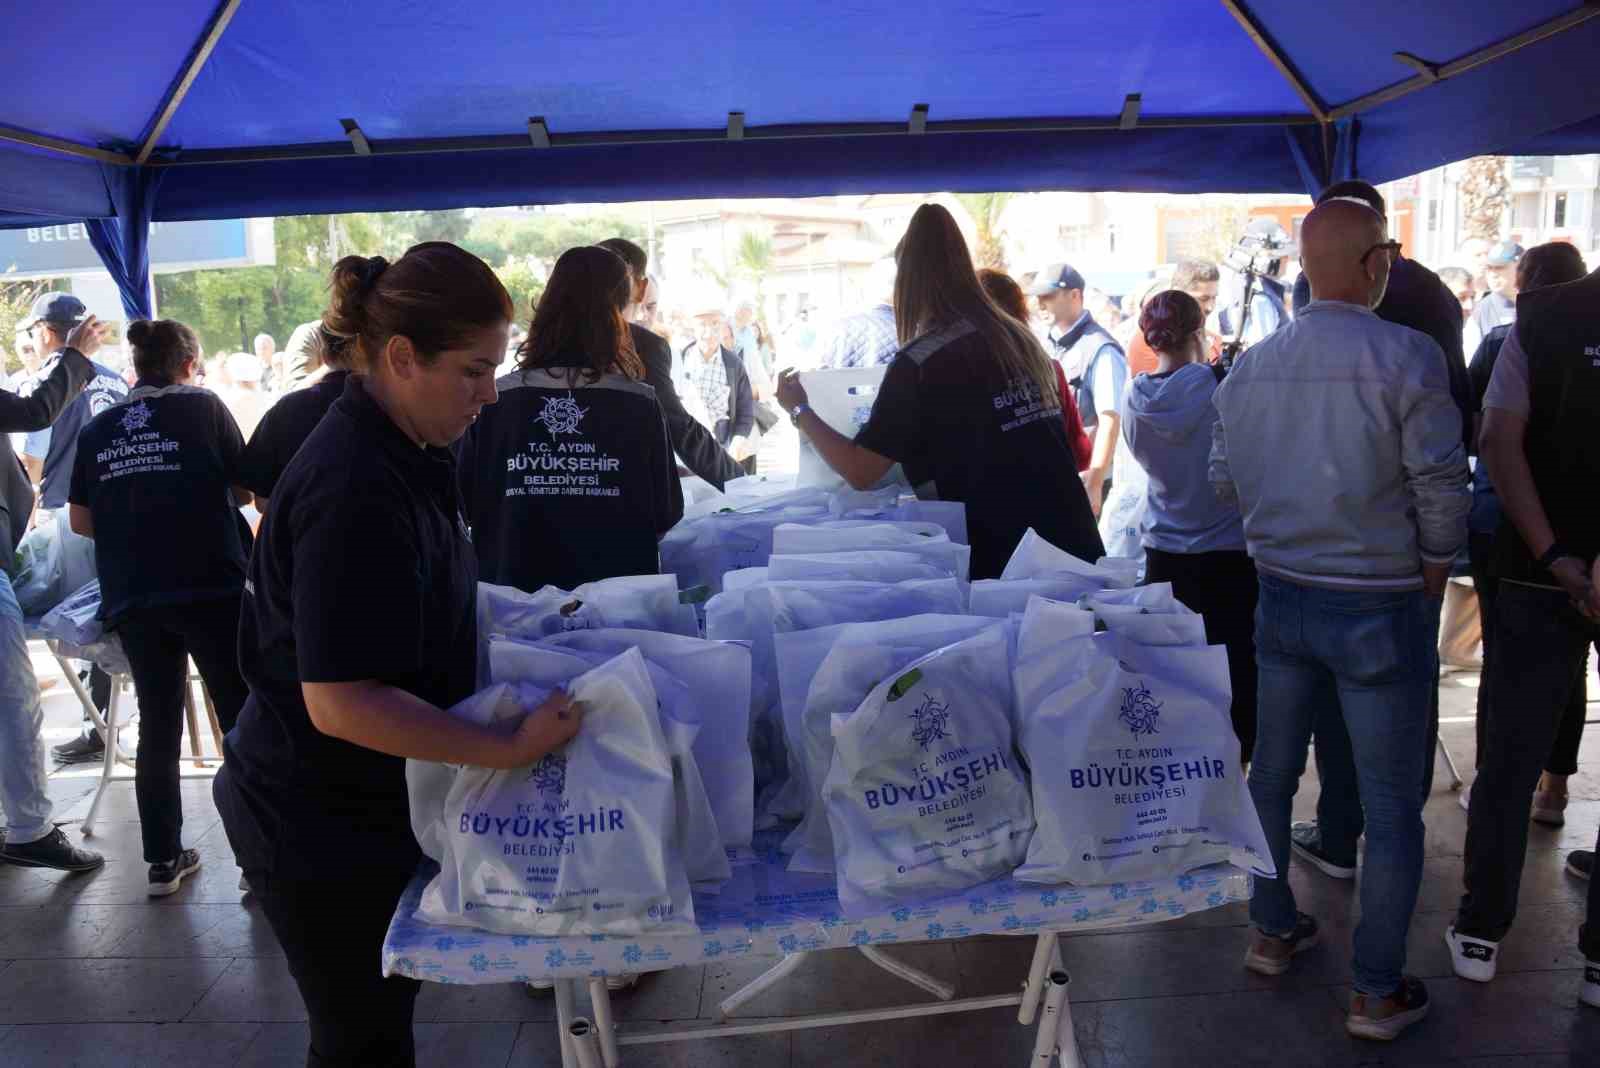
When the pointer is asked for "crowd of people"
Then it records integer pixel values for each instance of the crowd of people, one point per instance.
(1310, 499)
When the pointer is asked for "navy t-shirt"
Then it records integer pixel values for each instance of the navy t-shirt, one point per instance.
(284, 429)
(363, 571)
(567, 481)
(965, 432)
(156, 472)
(104, 389)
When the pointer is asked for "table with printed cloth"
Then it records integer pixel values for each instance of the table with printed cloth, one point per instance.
(765, 910)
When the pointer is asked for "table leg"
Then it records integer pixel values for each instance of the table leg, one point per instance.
(585, 1043)
(1044, 957)
(759, 983)
(915, 976)
(566, 1012)
(600, 1000)
(112, 729)
(1048, 1036)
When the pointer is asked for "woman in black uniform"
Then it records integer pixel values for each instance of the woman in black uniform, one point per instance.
(289, 422)
(570, 477)
(154, 484)
(358, 630)
(969, 407)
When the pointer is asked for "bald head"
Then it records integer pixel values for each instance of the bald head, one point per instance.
(1336, 240)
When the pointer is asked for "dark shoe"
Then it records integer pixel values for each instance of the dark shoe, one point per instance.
(1580, 863)
(51, 851)
(1270, 954)
(1383, 1019)
(84, 749)
(1306, 841)
(167, 877)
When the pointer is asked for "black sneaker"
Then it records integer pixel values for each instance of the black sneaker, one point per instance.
(1305, 839)
(51, 851)
(84, 749)
(167, 877)
(1580, 863)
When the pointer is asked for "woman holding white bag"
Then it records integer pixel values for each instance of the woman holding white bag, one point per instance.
(969, 407)
(358, 629)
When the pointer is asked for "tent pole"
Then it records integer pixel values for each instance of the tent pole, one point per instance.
(56, 144)
(191, 71)
(1545, 30)
(1276, 56)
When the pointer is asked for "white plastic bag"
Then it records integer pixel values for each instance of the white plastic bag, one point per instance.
(643, 602)
(925, 795)
(1000, 598)
(927, 540)
(892, 504)
(825, 673)
(542, 666)
(783, 607)
(1152, 597)
(876, 565)
(581, 843)
(713, 698)
(1144, 777)
(701, 551)
(842, 398)
(1142, 627)
(76, 619)
(1034, 557)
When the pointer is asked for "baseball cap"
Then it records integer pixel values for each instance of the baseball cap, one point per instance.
(63, 309)
(1056, 276)
(1503, 254)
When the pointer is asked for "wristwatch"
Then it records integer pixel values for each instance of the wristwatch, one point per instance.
(797, 411)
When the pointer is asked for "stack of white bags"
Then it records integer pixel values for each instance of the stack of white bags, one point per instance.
(850, 679)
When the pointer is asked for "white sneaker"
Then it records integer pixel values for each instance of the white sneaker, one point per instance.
(1464, 798)
(1589, 992)
(1472, 958)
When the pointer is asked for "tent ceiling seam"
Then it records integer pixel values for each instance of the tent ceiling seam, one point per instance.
(1278, 58)
(506, 142)
(191, 71)
(1472, 60)
(65, 148)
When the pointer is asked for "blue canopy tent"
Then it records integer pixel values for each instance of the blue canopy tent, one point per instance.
(192, 109)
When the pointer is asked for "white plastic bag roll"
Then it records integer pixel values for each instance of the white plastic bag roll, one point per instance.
(926, 795)
(581, 843)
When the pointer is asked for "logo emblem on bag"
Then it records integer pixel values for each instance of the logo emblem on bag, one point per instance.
(137, 417)
(549, 776)
(1140, 710)
(931, 721)
(561, 415)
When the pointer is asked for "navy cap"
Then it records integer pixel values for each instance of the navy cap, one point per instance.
(59, 309)
(1503, 254)
(1056, 276)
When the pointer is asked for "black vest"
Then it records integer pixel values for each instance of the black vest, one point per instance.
(1559, 328)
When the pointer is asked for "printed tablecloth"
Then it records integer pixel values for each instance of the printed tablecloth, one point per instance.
(767, 911)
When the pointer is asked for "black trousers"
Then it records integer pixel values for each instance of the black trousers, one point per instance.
(158, 643)
(332, 933)
(1563, 759)
(1541, 646)
(1222, 587)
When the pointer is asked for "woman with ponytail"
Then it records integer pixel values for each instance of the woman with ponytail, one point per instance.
(1191, 538)
(969, 407)
(358, 631)
(156, 485)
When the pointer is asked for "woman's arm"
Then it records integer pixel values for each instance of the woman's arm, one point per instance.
(81, 520)
(377, 716)
(857, 465)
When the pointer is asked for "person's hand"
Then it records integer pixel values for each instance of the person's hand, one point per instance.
(790, 391)
(546, 728)
(85, 337)
(1580, 587)
(1094, 484)
(1434, 579)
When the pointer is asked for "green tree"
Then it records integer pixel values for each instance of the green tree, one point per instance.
(986, 209)
(16, 300)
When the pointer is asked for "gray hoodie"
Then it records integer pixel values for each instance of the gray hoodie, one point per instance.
(1166, 422)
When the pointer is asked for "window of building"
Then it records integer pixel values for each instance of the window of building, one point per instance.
(1525, 212)
(1558, 215)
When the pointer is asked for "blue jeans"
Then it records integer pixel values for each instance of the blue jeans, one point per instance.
(22, 774)
(1367, 657)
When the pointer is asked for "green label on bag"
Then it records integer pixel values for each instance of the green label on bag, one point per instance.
(903, 684)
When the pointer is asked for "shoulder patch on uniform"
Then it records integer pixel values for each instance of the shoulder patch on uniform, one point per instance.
(925, 346)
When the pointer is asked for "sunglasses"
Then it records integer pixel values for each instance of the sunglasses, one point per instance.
(1391, 248)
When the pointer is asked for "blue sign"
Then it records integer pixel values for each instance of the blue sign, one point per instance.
(47, 251)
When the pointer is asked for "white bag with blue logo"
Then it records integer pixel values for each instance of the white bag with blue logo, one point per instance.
(585, 842)
(925, 795)
(825, 672)
(76, 620)
(1144, 779)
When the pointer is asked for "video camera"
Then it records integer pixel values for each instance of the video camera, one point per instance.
(1262, 245)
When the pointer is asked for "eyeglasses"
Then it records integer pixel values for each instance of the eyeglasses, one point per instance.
(1392, 248)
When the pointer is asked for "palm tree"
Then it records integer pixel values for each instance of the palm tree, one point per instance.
(1485, 192)
(986, 209)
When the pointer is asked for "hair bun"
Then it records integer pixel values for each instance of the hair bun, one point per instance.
(373, 270)
(140, 332)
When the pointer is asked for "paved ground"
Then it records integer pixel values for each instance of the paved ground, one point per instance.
(92, 973)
